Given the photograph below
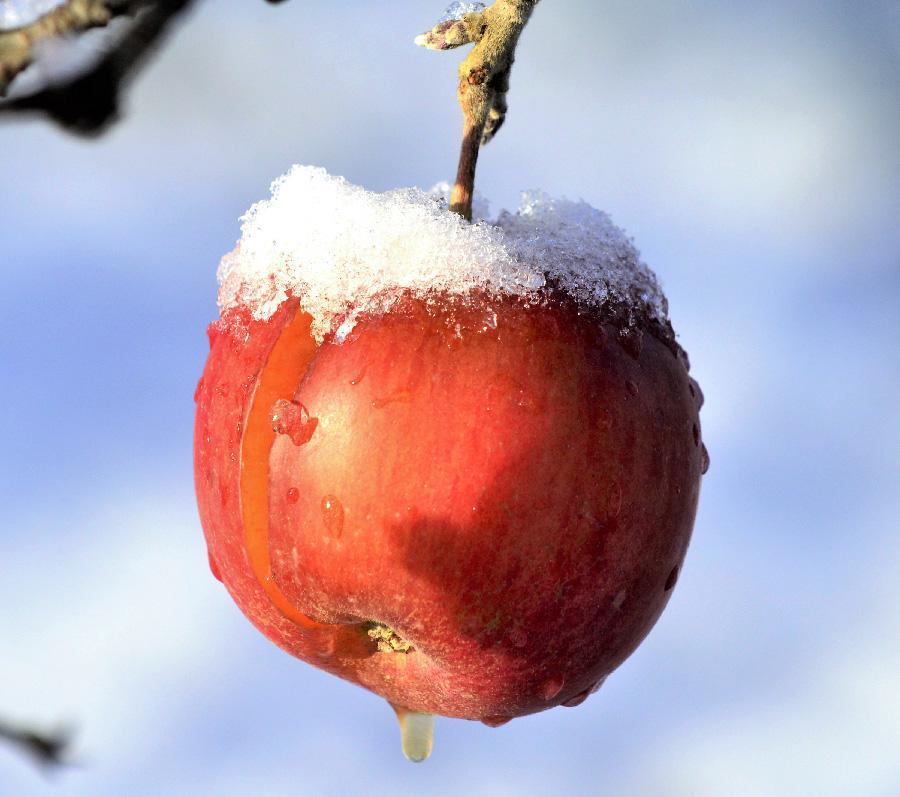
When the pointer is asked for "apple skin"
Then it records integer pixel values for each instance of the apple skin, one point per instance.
(509, 487)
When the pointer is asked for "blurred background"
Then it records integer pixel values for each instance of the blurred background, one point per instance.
(750, 149)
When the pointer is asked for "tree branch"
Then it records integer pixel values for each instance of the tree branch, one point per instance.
(17, 46)
(483, 79)
(49, 749)
(88, 102)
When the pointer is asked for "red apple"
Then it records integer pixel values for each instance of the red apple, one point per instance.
(473, 508)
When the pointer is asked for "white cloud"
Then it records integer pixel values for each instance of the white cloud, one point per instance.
(760, 125)
(108, 620)
(832, 730)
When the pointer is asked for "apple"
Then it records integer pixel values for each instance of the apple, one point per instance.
(475, 506)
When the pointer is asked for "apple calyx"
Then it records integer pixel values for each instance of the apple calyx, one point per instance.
(386, 639)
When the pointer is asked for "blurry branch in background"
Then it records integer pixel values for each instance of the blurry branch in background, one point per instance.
(87, 101)
(17, 46)
(483, 76)
(48, 749)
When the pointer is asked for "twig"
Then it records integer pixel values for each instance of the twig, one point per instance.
(88, 102)
(483, 79)
(49, 749)
(17, 46)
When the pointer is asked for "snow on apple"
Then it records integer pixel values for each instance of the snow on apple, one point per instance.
(345, 249)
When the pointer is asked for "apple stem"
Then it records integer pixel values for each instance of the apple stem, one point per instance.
(483, 79)
(464, 187)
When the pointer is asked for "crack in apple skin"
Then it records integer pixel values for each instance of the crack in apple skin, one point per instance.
(486, 629)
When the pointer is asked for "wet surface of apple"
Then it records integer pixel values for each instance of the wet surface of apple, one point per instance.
(507, 487)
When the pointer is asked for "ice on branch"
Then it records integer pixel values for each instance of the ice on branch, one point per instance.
(345, 251)
(460, 24)
(458, 10)
(18, 13)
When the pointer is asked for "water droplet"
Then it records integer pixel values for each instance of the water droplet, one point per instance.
(490, 319)
(632, 340)
(333, 515)
(614, 502)
(293, 419)
(458, 9)
(359, 377)
(325, 644)
(526, 399)
(619, 599)
(221, 390)
(346, 327)
(213, 567)
(198, 389)
(212, 332)
(696, 392)
(704, 459)
(695, 433)
(577, 700)
(399, 396)
(496, 721)
(518, 638)
(631, 387)
(551, 688)
(293, 495)
(673, 577)
(598, 336)
(416, 733)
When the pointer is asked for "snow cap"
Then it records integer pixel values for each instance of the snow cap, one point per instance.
(344, 251)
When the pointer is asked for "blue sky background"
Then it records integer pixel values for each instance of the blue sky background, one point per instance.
(750, 149)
